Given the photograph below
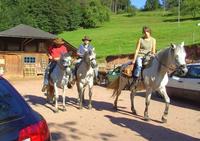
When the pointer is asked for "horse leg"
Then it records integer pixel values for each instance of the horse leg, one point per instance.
(118, 92)
(56, 97)
(163, 92)
(90, 98)
(122, 83)
(83, 96)
(63, 97)
(132, 96)
(81, 90)
(147, 102)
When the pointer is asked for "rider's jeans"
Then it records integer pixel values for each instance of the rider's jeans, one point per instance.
(138, 67)
(47, 71)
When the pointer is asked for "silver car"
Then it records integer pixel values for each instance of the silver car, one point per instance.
(186, 87)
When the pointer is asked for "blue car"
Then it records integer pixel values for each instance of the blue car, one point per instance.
(18, 121)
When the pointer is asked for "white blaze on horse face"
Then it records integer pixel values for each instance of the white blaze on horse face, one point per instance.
(180, 54)
(67, 61)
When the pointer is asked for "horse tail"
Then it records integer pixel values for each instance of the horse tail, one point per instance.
(115, 86)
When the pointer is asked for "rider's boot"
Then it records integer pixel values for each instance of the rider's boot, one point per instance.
(44, 88)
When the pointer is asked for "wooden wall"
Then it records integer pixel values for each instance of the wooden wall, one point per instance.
(22, 64)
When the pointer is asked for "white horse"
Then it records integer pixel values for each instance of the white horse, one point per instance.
(59, 78)
(155, 77)
(85, 77)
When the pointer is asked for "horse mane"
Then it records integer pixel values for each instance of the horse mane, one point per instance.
(162, 57)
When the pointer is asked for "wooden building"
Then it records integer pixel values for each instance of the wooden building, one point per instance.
(23, 51)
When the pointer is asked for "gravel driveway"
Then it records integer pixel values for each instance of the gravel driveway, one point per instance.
(102, 123)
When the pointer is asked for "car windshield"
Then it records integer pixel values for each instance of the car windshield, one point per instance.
(10, 107)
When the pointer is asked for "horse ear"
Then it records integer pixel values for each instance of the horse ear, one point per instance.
(173, 46)
(182, 44)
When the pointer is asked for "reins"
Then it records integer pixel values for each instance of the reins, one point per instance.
(172, 69)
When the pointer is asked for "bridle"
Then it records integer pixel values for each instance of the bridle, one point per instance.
(61, 66)
(162, 64)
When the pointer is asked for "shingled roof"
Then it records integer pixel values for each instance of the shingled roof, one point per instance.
(25, 31)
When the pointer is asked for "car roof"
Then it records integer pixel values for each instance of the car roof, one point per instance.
(194, 64)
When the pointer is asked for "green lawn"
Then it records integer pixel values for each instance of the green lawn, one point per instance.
(119, 36)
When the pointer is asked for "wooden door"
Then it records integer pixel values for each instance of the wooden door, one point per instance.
(13, 66)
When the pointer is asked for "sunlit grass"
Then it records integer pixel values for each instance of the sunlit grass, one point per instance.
(119, 36)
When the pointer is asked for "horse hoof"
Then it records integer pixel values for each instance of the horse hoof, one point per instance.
(134, 112)
(90, 107)
(56, 111)
(146, 118)
(164, 120)
(115, 108)
(64, 109)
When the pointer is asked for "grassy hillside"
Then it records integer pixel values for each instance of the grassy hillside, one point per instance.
(119, 36)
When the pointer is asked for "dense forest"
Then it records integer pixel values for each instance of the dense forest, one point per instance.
(56, 16)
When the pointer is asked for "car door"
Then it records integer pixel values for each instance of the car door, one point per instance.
(192, 79)
(176, 84)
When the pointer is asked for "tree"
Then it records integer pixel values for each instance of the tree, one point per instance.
(151, 5)
(73, 14)
(170, 4)
(117, 6)
(53, 16)
(93, 13)
(191, 7)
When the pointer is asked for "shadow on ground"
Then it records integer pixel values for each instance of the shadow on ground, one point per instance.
(174, 101)
(182, 20)
(75, 134)
(149, 131)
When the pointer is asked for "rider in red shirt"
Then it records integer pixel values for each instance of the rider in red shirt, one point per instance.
(54, 53)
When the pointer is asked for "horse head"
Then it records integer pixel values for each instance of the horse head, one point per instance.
(90, 58)
(66, 60)
(179, 56)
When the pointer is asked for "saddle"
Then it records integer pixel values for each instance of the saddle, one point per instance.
(146, 62)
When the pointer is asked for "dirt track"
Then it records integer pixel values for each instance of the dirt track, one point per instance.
(102, 123)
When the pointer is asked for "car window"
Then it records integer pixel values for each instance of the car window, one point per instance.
(10, 106)
(194, 72)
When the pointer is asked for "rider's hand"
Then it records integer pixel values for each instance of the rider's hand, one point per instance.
(50, 57)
